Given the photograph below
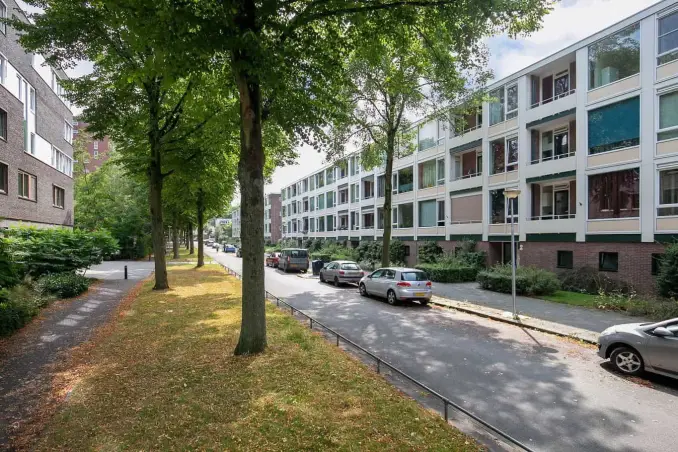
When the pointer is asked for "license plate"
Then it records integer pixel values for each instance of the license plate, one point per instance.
(419, 294)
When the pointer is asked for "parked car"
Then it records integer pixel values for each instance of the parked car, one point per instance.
(293, 259)
(397, 284)
(228, 248)
(238, 252)
(341, 272)
(209, 242)
(636, 347)
(273, 259)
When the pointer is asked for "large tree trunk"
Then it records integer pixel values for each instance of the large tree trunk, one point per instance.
(388, 182)
(201, 211)
(175, 238)
(251, 181)
(191, 250)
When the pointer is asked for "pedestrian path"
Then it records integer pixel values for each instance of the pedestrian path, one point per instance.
(27, 358)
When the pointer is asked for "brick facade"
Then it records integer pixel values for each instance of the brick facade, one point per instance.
(276, 220)
(98, 156)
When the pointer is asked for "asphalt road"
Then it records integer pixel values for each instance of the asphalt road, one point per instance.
(548, 392)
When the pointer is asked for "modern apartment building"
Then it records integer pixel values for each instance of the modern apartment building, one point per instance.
(98, 150)
(272, 220)
(589, 135)
(235, 221)
(36, 134)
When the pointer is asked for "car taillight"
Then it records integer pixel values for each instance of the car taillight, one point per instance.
(341, 272)
(288, 259)
(362, 273)
(428, 284)
(403, 284)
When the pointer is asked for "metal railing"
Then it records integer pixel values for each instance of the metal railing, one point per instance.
(552, 217)
(553, 157)
(554, 98)
(381, 362)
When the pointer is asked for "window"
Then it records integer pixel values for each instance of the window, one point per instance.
(95, 146)
(321, 202)
(668, 193)
(68, 132)
(32, 143)
(497, 106)
(56, 84)
(504, 155)
(58, 196)
(3, 125)
(608, 262)
(3, 14)
(405, 214)
(27, 184)
(565, 259)
(441, 171)
(511, 101)
(31, 99)
(668, 116)
(368, 220)
(4, 178)
(615, 57)
(428, 174)
(561, 84)
(330, 223)
(427, 136)
(441, 213)
(656, 263)
(403, 180)
(3, 67)
(615, 126)
(614, 195)
(427, 214)
(330, 199)
(500, 208)
(667, 38)
(62, 162)
(329, 174)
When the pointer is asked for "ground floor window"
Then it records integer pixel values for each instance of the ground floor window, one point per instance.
(608, 262)
(565, 259)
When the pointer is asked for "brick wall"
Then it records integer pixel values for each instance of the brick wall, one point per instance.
(276, 231)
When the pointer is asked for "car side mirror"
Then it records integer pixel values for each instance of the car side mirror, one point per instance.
(662, 332)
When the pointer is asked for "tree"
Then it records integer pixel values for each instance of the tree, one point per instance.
(425, 66)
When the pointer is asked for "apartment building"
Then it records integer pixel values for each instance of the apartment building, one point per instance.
(235, 222)
(36, 134)
(272, 220)
(588, 135)
(98, 151)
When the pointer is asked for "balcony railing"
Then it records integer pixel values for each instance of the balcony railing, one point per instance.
(551, 99)
(465, 221)
(368, 197)
(552, 217)
(553, 157)
(468, 176)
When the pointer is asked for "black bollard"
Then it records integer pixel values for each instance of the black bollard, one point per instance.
(125, 271)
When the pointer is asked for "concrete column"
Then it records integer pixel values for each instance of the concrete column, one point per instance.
(647, 128)
(582, 142)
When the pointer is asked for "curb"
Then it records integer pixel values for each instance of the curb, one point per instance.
(514, 322)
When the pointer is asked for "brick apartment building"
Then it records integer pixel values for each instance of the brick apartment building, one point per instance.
(36, 134)
(272, 220)
(588, 135)
(98, 150)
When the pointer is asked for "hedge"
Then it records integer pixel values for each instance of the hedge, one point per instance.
(529, 280)
(448, 274)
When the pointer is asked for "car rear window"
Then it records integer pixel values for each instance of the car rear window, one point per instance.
(349, 267)
(298, 253)
(414, 276)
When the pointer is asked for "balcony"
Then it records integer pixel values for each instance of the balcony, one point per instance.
(551, 224)
(466, 227)
(553, 89)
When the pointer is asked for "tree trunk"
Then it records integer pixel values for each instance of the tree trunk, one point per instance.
(191, 250)
(251, 180)
(201, 211)
(175, 238)
(388, 195)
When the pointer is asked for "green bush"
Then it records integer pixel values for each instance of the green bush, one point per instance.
(590, 280)
(57, 250)
(529, 280)
(652, 309)
(325, 257)
(430, 252)
(63, 285)
(667, 278)
(8, 272)
(449, 274)
(18, 305)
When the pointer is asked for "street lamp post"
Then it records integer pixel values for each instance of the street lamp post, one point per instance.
(510, 194)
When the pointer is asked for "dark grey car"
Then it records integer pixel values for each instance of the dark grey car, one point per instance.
(293, 259)
(635, 347)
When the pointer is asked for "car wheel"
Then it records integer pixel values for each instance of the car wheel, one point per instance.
(321, 277)
(363, 290)
(391, 298)
(627, 361)
(336, 282)
(423, 302)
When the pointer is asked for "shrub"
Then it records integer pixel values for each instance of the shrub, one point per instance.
(667, 278)
(58, 250)
(529, 280)
(18, 305)
(652, 309)
(430, 252)
(449, 274)
(590, 280)
(8, 271)
(63, 285)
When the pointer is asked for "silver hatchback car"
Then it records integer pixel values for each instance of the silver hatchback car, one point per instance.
(341, 272)
(635, 347)
(397, 284)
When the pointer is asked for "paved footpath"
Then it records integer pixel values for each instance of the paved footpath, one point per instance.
(25, 358)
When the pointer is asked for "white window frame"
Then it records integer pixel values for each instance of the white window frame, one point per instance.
(674, 50)
(32, 186)
(55, 198)
(440, 161)
(394, 217)
(658, 190)
(507, 210)
(489, 107)
(440, 222)
(3, 68)
(68, 132)
(661, 93)
(553, 199)
(3, 26)
(31, 143)
(514, 112)
(2, 189)
(95, 146)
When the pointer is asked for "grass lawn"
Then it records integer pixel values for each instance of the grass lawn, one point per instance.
(185, 257)
(164, 377)
(572, 298)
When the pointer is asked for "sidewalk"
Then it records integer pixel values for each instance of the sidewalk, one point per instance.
(30, 358)
(541, 314)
